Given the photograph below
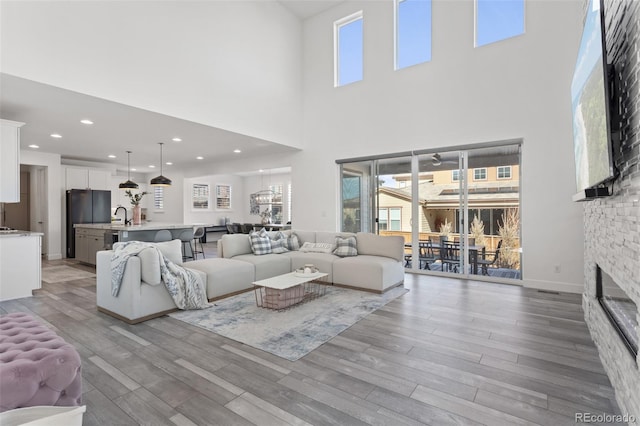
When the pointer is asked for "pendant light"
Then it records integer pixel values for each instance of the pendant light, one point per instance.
(129, 184)
(161, 180)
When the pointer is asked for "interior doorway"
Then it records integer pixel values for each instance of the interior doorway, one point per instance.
(18, 215)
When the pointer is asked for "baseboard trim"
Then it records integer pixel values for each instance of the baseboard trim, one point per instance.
(135, 320)
(554, 286)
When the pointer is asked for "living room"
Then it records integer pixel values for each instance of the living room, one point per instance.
(257, 69)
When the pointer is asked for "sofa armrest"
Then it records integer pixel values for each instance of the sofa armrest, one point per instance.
(128, 297)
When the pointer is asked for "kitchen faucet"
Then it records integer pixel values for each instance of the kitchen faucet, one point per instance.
(126, 222)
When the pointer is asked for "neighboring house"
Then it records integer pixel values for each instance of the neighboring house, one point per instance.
(491, 191)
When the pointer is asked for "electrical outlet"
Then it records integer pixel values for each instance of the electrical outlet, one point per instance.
(556, 269)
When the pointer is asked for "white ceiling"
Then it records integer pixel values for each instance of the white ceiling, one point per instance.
(304, 9)
(117, 128)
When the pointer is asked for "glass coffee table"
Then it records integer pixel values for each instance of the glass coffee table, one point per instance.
(287, 290)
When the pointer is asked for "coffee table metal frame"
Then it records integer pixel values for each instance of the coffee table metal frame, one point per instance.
(287, 290)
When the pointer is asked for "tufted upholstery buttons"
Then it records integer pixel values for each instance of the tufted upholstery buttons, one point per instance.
(37, 367)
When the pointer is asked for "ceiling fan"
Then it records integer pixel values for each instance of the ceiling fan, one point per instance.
(436, 160)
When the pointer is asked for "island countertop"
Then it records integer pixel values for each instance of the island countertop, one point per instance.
(19, 233)
(149, 226)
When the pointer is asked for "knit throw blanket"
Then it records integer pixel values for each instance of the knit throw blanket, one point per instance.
(185, 286)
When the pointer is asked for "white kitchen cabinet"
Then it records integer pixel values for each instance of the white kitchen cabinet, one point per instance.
(84, 178)
(20, 264)
(10, 161)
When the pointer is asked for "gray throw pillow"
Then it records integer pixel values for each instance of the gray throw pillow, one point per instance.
(346, 247)
(279, 246)
(260, 244)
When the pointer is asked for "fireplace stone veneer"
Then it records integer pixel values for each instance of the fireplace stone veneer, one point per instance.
(612, 241)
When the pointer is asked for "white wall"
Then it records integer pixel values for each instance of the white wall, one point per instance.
(517, 88)
(228, 64)
(53, 221)
(213, 216)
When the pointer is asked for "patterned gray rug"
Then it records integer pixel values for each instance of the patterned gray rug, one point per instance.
(293, 333)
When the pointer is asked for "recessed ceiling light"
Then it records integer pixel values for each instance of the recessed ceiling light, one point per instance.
(261, 170)
(133, 170)
(85, 121)
(169, 163)
(34, 146)
(199, 158)
(55, 135)
(176, 140)
(152, 166)
(111, 156)
(237, 151)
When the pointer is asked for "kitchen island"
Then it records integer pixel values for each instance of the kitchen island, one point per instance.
(93, 237)
(20, 263)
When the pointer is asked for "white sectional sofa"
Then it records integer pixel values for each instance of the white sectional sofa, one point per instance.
(377, 267)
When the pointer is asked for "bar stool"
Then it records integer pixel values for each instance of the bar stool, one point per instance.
(186, 236)
(197, 237)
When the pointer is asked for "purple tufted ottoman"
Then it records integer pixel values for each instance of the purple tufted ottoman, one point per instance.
(37, 367)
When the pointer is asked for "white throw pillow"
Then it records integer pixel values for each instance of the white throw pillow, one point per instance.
(316, 248)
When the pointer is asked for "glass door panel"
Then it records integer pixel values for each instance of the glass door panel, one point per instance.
(441, 191)
(356, 196)
(394, 202)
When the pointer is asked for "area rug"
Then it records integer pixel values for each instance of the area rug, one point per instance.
(56, 274)
(292, 333)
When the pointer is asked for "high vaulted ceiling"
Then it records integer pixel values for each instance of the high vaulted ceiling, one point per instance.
(118, 128)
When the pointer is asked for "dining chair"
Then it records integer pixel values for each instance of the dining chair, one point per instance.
(485, 263)
(427, 256)
(186, 237)
(450, 255)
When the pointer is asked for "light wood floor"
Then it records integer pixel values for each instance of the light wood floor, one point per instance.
(447, 352)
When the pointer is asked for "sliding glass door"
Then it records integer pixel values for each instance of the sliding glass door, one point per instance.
(457, 210)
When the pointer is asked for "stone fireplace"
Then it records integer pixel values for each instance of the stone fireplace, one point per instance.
(612, 224)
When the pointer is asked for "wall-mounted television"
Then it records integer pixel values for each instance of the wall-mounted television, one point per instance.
(590, 99)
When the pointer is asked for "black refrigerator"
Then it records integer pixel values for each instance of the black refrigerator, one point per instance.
(85, 206)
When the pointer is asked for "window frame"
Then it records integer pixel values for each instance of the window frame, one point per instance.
(475, 178)
(158, 198)
(455, 177)
(396, 38)
(388, 220)
(504, 177)
(336, 45)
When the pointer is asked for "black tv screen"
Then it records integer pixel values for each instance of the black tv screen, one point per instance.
(590, 102)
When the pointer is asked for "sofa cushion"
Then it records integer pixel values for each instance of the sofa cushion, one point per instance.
(268, 265)
(235, 244)
(150, 263)
(346, 247)
(260, 242)
(305, 236)
(379, 245)
(224, 276)
(376, 273)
